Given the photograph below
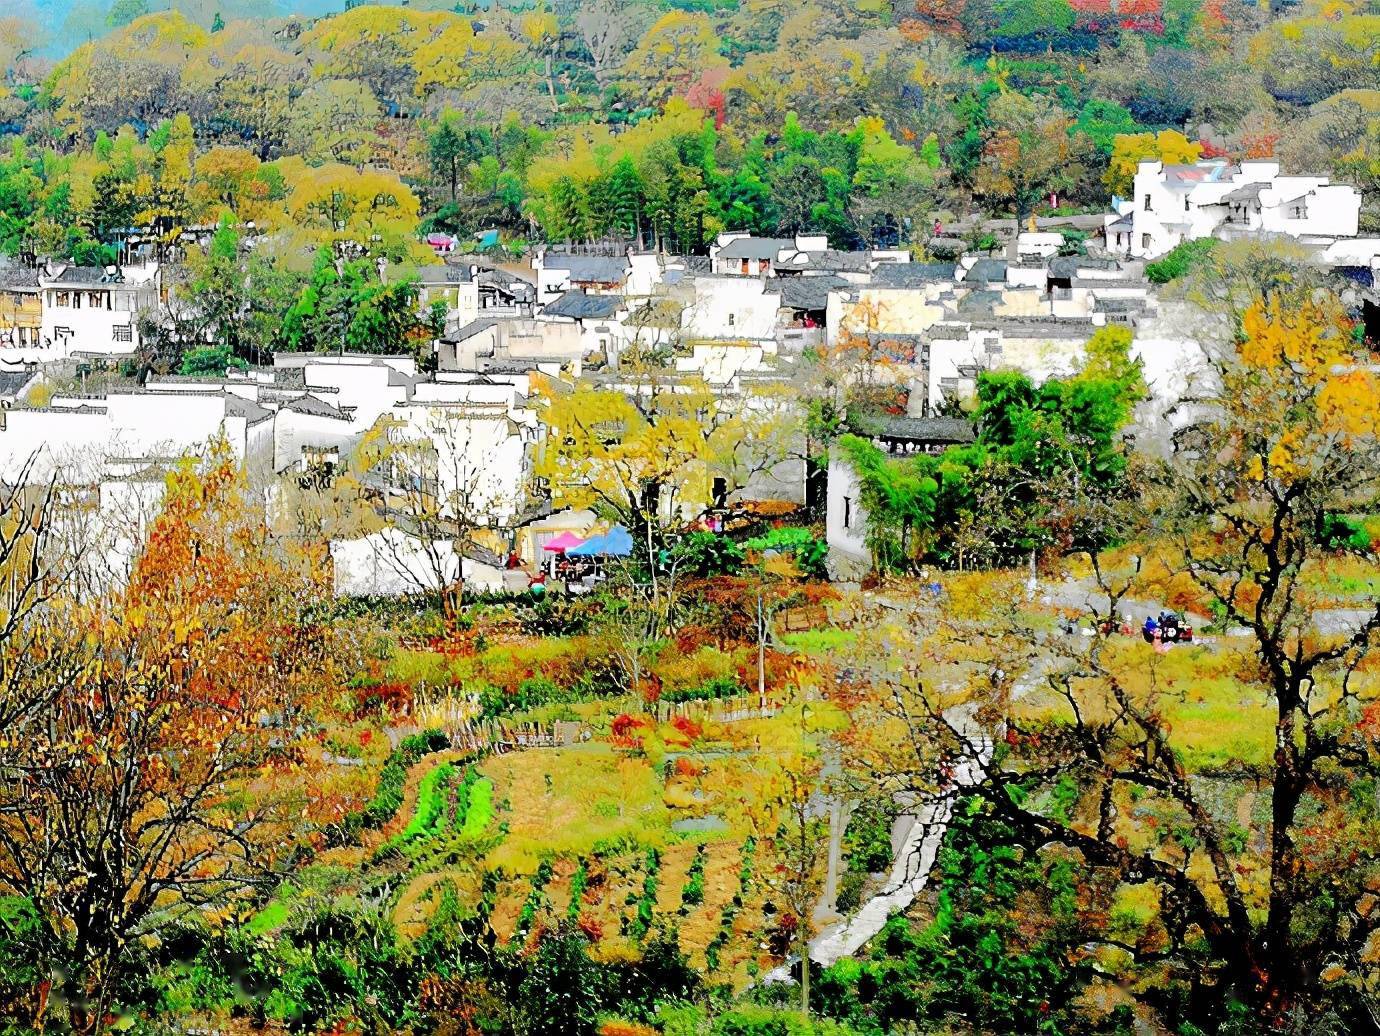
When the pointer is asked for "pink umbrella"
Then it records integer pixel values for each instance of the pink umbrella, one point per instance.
(565, 541)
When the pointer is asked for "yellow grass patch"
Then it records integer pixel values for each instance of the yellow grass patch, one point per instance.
(675, 869)
(594, 794)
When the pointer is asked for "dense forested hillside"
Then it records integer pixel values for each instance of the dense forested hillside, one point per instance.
(667, 121)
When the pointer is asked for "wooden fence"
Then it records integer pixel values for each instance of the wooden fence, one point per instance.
(493, 735)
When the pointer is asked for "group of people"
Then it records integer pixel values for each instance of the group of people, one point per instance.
(1161, 631)
(1164, 631)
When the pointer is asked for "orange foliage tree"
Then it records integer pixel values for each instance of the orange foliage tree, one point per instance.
(156, 776)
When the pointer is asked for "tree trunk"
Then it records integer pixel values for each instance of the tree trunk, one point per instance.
(1281, 980)
(761, 656)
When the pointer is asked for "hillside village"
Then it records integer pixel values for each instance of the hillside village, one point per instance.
(690, 518)
(741, 320)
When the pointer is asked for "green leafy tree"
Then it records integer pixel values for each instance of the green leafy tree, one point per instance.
(346, 306)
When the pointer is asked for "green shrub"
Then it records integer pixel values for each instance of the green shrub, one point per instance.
(708, 554)
(693, 892)
(751, 1020)
(646, 903)
(209, 360)
(481, 808)
(867, 839)
(850, 891)
(528, 914)
(1342, 533)
(388, 796)
(431, 797)
(1180, 260)
(579, 881)
(710, 690)
(1075, 242)
(809, 552)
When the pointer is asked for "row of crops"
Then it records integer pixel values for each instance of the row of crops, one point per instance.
(623, 892)
(453, 802)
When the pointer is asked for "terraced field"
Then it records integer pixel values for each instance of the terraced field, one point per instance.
(586, 834)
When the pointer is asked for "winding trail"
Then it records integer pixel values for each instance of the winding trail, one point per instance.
(910, 871)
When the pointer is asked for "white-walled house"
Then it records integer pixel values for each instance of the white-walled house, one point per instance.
(599, 318)
(509, 341)
(846, 523)
(452, 284)
(744, 309)
(559, 272)
(885, 308)
(1171, 204)
(365, 387)
(738, 253)
(308, 429)
(94, 310)
(476, 454)
(86, 430)
(393, 563)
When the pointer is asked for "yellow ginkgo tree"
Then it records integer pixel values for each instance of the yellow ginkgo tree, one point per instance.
(656, 455)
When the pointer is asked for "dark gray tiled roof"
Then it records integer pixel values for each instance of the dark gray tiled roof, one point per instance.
(948, 332)
(1120, 305)
(578, 306)
(13, 275)
(1069, 265)
(309, 404)
(589, 268)
(807, 292)
(987, 271)
(13, 382)
(507, 283)
(1245, 195)
(432, 276)
(755, 247)
(927, 429)
(910, 275)
(238, 406)
(469, 330)
(979, 302)
(87, 275)
(833, 259)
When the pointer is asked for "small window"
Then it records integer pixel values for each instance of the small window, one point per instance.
(63, 300)
(123, 333)
(732, 319)
(744, 268)
(1144, 240)
(848, 512)
(1148, 207)
(1187, 207)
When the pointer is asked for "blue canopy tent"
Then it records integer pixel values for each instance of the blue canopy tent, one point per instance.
(617, 542)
